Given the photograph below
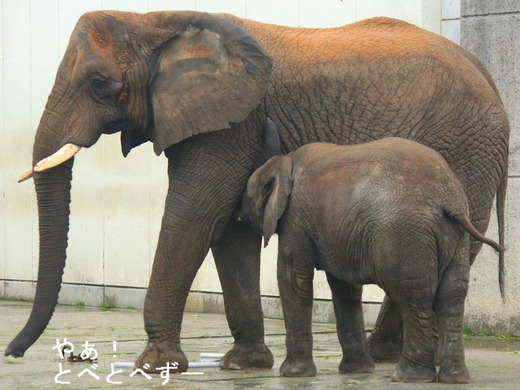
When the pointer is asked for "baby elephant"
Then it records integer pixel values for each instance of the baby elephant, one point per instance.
(389, 212)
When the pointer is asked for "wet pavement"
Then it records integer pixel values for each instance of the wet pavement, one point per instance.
(494, 362)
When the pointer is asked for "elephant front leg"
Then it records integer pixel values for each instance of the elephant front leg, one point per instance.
(296, 294)
(168, 290)
(237, 257)
(207, 175)
(347, 302)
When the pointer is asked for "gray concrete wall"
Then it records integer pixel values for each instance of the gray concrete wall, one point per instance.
(491, 31)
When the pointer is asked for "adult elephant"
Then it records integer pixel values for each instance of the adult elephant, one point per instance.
(200, 86)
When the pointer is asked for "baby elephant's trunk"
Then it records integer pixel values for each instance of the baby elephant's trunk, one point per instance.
(463, 220)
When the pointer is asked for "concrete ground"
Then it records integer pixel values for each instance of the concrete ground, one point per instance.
(494, 362)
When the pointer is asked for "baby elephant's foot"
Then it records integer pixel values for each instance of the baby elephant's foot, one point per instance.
(247, 356)
(454, 374)
(356, 365)
(407, 371)
(157, 355)
(293, 367)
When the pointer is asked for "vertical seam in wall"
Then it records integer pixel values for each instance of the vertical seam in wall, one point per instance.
(149, 238)
(3, 143)
(299, 13)
(33, 276)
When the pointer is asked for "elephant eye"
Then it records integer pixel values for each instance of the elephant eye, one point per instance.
(101, 88)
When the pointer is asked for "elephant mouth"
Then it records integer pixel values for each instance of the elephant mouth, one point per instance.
(65, 153)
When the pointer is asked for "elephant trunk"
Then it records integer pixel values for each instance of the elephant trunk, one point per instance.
(53, 194)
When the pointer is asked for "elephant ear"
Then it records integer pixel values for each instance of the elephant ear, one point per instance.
(277, 185)
(208, 75)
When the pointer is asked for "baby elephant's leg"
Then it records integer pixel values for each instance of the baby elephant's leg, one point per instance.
(449, 309)
(413, 288)
(296, 293)
(346, 298)
(417, 361)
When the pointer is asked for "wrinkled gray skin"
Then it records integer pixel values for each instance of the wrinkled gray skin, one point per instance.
(389, 212)
(200, 86)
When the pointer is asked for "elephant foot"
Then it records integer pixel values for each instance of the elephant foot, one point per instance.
(295, 368)
(384, 351)
(407, 371)
(356, 365)
(247, 357)
(158, 355)
(454, 374)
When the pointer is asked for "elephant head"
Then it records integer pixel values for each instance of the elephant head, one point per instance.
(161, 77)
(267, 194)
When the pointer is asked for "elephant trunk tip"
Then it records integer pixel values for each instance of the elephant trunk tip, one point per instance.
(18, 346)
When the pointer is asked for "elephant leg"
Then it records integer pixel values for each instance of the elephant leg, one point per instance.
(350, 326)
(449, 309)
(296, 294)
(237, 257)
(417, 360)
(167, 292)
(207, 175)
(385, 344)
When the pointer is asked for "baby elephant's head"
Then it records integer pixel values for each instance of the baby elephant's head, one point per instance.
(266, 196)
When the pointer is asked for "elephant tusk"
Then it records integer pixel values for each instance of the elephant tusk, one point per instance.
(26, 175)
(65, 153)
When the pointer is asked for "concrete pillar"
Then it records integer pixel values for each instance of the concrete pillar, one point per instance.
(491, 31)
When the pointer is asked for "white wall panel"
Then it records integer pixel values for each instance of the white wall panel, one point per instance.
(408, 10)
(234, 7)
(327, 13)
(140, 6)
(167, 5)
(126, 215)
(158, 186)
(45, 58)
(284, 13)
(18, 137)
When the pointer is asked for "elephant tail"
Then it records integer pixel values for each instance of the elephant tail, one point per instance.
(463, 220)
(501, 202)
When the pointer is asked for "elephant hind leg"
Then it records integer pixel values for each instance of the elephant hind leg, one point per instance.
(417, 361)
(449, 309)
(385, 344)
(413, 287)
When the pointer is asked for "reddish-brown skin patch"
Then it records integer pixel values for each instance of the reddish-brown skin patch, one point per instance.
(199, 51)
(104, 42)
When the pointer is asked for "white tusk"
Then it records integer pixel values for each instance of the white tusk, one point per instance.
(65, 153)
(26, 175)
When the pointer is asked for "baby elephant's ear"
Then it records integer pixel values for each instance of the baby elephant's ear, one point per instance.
(208, 75)
(281, 187)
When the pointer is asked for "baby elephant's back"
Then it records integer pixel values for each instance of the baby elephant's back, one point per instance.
(380, 180)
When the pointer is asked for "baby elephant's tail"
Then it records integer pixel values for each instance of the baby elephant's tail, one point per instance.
(463, 220)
